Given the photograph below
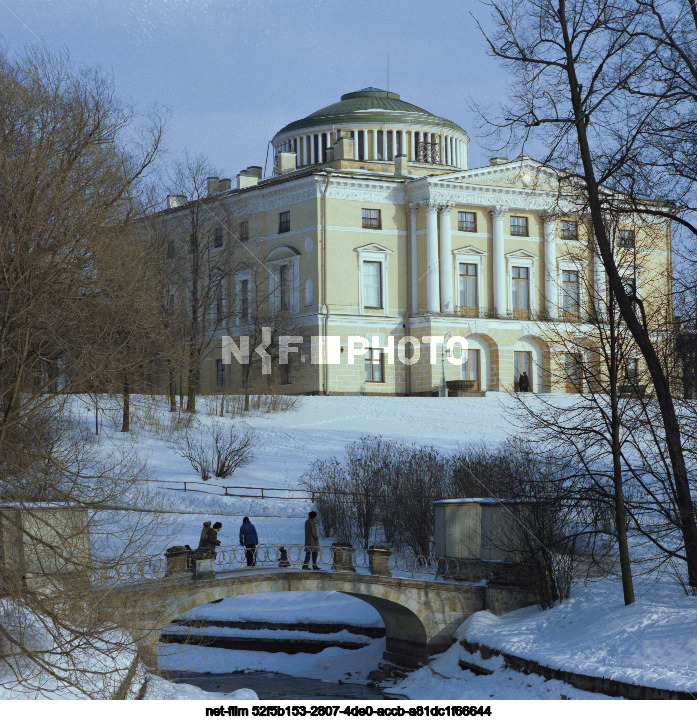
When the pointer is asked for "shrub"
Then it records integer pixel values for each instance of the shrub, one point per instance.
(217, 450)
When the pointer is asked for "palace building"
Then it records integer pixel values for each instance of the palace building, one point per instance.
(373, 224)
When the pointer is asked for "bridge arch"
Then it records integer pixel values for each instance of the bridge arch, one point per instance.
(419, 616)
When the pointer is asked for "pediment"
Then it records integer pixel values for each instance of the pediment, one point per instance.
(372, 248)
(469, 250)
(521, 254)
(284, 251)
(571, 258)
(523, 173)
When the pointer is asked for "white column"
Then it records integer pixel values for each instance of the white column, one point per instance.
(446, 261)
(355, 144)
(413, 261)
(412, 145)
(499, 262)
(446, 158)
(549, 219)
(394, 144)
(432, 284)
(311, 149)
(375, 144)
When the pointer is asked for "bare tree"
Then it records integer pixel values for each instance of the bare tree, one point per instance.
(72, 163)
(575, 63)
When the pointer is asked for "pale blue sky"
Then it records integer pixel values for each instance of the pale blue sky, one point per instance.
(232, 73)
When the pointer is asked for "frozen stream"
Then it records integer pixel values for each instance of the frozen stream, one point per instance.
(276, 686)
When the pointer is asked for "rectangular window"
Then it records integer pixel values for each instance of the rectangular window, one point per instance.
(219, 236)
(572, 372)
(375, 365)
(244, 231)
(220, 373)
(467, 222)
(284, 222)
(372, 284)
(285, 374)
(632, 371)
(629, 285)
(284, 281)
(468, 288)
(520, 291)
(244, 299)
(381, 146)
(371, 218)
(626, 239)
(361, 145)
(519, 225)
(569, 230)
(219, 305)
(570, 292)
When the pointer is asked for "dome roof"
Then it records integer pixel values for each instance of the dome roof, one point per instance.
(370, 105)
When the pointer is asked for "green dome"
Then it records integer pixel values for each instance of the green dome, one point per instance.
(370, 105)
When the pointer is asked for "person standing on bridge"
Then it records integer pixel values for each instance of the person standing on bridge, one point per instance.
(311, 542)
(213, 535)
(205, 535)
(249, 539)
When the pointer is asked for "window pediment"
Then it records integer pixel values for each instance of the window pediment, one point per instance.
(521, 255)
(372, 248)
(284, 251)
(469, 250)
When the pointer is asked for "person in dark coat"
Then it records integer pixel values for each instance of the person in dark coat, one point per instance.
(311, 542)
(249, 539)
(524, 382)
(205, 535)
(213, 535)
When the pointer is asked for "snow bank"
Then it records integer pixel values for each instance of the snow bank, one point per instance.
(332, 664)
(652, 642)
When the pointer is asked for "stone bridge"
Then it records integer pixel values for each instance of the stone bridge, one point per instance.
(420, 616)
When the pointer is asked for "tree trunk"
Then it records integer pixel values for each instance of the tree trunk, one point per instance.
(126, 422)
(620, 514)
(683, 500)
(172, 394)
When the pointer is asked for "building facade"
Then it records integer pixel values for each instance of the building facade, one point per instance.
(373, 225)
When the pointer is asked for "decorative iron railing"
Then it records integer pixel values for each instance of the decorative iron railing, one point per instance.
(378, 560)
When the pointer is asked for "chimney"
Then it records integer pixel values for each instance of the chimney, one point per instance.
(499, 160)
(212, 183)
(246, 180)
(256, 171)
(343, 148)
(175, 201)
(224, 184)
(285, 162)
(400, 165)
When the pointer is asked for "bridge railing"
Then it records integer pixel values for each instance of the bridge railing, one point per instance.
(344, 559)
(378, 560)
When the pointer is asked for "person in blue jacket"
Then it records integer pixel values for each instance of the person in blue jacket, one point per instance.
(249, 539)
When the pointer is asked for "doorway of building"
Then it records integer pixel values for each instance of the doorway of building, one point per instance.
(471, 367)
(522, 362)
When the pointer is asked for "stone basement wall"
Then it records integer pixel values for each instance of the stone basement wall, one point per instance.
(595, 684)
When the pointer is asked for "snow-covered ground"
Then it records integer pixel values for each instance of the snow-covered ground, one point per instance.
(652, 642)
